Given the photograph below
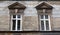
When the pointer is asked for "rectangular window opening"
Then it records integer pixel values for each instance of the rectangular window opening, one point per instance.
(42, 25)
(18, 16)
(47, 25)
(14, 16)
(46, 16)
(14, 24)
(45, 22)
(42, 17)
(18, 25)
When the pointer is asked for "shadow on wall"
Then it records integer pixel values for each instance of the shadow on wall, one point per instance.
(32, 33)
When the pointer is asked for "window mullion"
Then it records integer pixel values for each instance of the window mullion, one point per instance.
(49, 23)
(44, 23)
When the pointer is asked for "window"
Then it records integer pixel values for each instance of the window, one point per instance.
(44, 11)
(16, 22)
(16, 12)
(45, 22)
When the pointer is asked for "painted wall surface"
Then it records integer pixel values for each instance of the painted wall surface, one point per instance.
(30, 12)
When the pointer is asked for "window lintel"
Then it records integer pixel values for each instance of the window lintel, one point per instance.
(44, 6)
(16, 5)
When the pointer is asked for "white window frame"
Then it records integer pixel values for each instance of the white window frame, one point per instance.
(16, 22)
(45, 22)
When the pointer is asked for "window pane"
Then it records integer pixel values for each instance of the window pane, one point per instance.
(18, 16)
(46, 16)
(14, 16)
(41, 16)
(47, 25)
(18, 25)
(14, 24)
(42, 25)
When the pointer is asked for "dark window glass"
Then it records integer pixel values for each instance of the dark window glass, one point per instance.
(46, 16)
(14, 24)
(18, 25)
(42, 25)
(47, 25)
(14, 16)
(42, 16)
(18, 16)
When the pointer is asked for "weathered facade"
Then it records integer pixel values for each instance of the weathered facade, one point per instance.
(30, 19)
